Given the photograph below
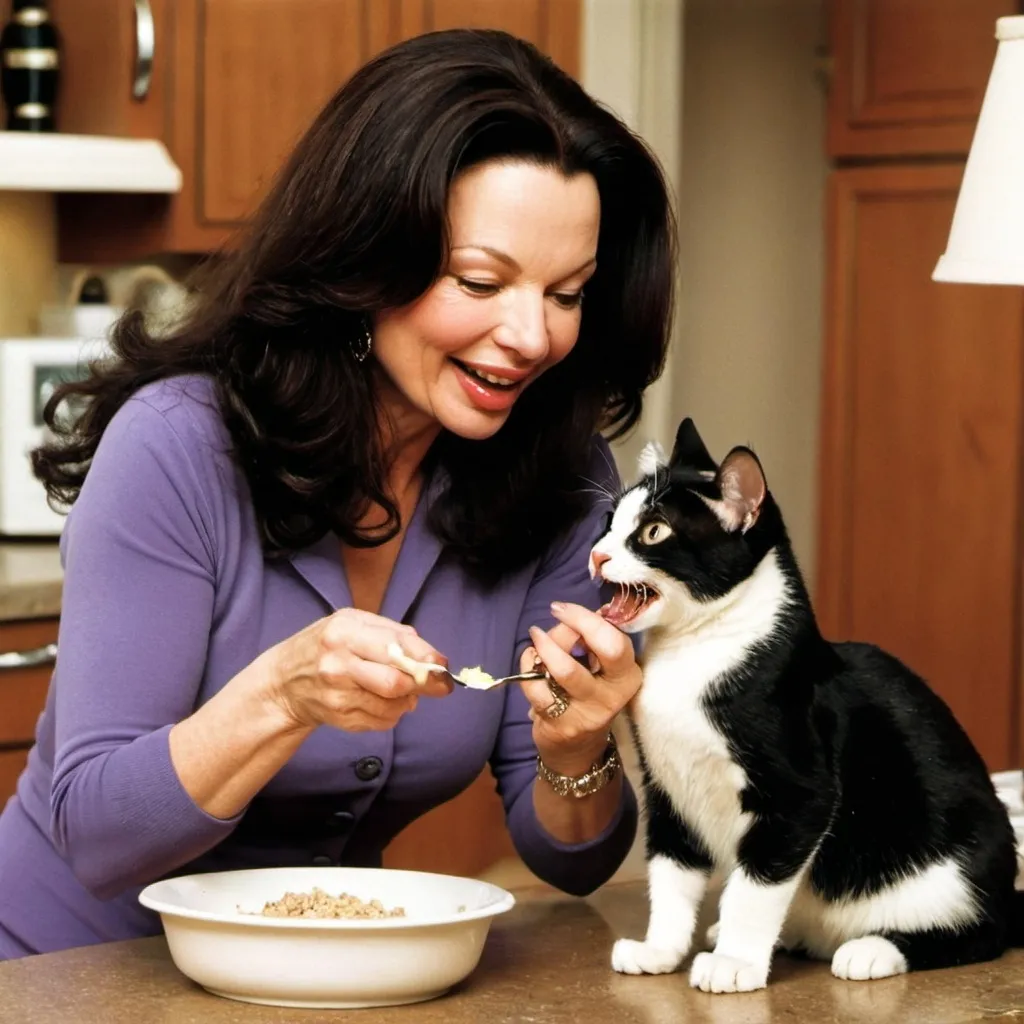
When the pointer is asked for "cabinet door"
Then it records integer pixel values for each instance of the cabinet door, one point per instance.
(104, 87)
(909, 75)
(264, 69)
(235, 84)
(22, 696)
(552, 25)
(921, 459)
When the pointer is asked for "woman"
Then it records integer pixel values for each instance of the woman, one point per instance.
(379, 425)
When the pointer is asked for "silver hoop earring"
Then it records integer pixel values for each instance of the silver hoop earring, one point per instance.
(363, 343)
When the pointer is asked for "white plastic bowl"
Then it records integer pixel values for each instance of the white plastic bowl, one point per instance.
(326, 963)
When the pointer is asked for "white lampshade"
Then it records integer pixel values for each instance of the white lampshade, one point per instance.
(986, 241)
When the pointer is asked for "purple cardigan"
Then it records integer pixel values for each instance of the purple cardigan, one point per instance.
(167, 595)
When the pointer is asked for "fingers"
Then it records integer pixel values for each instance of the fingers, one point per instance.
(436, 684)
(380, 697)
(371, 619)
(564, 635)
(563, 668)
(347, 626)
(363, 639)
(416, 648)
(570, 640)
(609, 645)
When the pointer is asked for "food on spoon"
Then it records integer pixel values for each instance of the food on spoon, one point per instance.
(319, 903)
(476, 677)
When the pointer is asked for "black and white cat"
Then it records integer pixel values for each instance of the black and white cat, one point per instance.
(846, 808)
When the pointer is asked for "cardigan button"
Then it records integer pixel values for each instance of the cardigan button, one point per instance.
(368, 768)
(339, 821)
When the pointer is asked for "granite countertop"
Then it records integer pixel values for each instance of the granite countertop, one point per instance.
(30, 580)
(545, 962)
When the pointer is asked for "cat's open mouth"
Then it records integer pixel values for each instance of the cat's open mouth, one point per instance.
(629, 602)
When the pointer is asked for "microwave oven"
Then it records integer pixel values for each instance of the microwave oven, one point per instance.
(30, 368)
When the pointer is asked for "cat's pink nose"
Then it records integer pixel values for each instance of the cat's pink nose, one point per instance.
(597, 559)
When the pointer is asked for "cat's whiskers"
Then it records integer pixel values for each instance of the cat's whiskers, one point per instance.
(600, 490)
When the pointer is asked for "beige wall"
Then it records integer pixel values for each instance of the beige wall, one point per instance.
(633, 63)
(28, 255)
(751, 216)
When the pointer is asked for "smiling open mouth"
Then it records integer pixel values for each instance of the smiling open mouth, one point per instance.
(629, 602)
(487, 379)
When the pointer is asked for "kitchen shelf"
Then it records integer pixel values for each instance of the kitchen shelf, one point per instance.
(56, 162)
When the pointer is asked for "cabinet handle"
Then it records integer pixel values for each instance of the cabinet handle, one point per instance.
(145, 44)
(29, 659)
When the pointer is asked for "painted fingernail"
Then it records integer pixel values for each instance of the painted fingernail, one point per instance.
(578, 651)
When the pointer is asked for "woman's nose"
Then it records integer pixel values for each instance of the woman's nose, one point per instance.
(524, 328)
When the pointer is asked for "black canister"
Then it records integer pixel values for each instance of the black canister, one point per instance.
(29, 68)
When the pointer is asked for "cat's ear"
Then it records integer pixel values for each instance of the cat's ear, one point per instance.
(743, 487)
(651, 459)
(689, 449)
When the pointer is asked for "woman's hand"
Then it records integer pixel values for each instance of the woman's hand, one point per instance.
(573, 741)
(338, 672)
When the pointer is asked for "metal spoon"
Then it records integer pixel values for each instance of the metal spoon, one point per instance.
(519, 677)
(419, 669)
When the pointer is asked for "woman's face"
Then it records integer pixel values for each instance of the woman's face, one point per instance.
(506, 307)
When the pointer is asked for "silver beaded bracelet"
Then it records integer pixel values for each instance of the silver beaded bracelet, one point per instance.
(596, 777)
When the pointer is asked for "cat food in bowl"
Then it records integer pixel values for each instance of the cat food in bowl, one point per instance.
(333, 937)
(322, 904)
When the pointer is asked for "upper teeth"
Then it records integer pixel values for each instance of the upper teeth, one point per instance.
(492, 379)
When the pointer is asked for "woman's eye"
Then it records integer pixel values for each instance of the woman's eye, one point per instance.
(655, 533)
(478, 287)
(568, 300)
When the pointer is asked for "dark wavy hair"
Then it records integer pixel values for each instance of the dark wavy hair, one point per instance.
(356, 222)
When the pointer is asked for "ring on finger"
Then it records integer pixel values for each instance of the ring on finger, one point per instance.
(556, 709)
(560, 704)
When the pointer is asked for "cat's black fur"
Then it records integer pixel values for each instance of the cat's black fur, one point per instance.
(842, 744)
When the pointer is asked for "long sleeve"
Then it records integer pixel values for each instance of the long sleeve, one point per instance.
(564, 576)
(140, 565)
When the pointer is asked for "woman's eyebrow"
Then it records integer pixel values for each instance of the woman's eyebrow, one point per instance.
(502, 257)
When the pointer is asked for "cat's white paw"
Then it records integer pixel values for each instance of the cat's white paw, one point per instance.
(868, 957)
(632, 957)
(711, 936)
(713, 972)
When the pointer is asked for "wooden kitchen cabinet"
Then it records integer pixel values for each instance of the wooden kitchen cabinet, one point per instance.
(921, 454)
(22, 696)
(921, 481)
(909, 75)
(234, 85)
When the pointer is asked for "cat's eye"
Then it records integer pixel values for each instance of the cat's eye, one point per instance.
(655, 532)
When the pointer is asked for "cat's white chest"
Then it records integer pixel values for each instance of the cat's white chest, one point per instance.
(688, 758)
